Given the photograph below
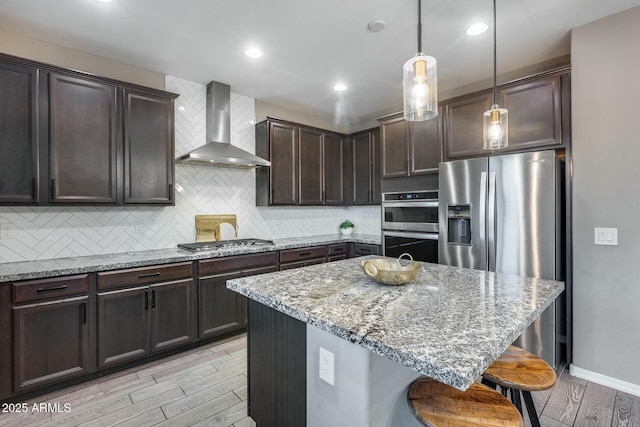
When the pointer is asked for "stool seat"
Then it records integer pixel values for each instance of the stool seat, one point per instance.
(436, 404)
(518, 369)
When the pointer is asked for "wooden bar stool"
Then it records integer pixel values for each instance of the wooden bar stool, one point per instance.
(435, 404)
(517, 371)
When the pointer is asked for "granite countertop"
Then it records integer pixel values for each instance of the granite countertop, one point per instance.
(25, 270)
(449, 323)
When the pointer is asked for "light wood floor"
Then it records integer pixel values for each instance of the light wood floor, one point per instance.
(207, 386)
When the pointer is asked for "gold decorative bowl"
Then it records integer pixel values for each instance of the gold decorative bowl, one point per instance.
(391, 271)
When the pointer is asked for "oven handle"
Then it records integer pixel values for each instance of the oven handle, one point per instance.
(410, 204)
(426, 236)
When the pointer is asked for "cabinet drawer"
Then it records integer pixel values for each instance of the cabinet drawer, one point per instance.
(141, 276)
(34, 290)
(292, 255)
(236, 263)
(360, 249)
(337, 249)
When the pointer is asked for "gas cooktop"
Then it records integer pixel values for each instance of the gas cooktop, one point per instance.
(224, 244)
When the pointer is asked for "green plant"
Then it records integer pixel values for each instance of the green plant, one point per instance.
(346, 224)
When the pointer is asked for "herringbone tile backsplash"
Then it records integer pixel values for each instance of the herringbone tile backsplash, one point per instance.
(31, 233)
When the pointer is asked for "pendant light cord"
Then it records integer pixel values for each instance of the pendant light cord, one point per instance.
(420, 26)
(494, 55)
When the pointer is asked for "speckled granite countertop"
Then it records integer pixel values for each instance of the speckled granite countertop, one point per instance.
(449, 323)
(13, 271)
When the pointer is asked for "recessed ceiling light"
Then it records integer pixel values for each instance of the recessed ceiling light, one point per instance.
(377, 25)
(104, 1)
(253, 53)
(340, 87)
(477, 29)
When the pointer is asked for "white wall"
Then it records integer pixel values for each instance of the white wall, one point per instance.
(606, 150)
(54, 232)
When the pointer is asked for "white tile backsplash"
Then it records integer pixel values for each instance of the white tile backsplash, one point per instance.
(31, 233)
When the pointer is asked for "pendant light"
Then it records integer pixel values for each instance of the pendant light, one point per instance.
(420, 82)
(495, 122)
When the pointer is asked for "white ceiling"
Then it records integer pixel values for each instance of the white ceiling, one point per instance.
(309, 45)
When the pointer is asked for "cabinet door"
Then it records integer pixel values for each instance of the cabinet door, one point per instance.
(395, 148)
(333, 156)
(173, 314)
(51, 342)
(221, 310)
(82, 141)
(148, 148)
(534, 113)
(6, 341)
(284, 164)
(425, 150)
(123, 326)
(18, 134)
(376, 168)
(311, 167)
(463, 126)
(361, 148)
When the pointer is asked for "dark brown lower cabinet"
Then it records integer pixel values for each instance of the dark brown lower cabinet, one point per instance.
(6, 338)
(222, 311)
(51, 342)
(361, 249)
(135, 322)
(277, 368)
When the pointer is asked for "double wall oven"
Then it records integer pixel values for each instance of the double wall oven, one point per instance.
(410, 224)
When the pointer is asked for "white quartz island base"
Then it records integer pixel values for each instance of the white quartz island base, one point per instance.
(369, 390)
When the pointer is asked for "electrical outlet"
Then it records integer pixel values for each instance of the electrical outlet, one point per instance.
(6, 231)
(139, 228)
(326, 365)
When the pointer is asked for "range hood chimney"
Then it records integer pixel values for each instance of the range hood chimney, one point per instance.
(218, 151)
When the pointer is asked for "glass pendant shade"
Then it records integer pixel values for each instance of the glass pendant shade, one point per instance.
(495, 128)
(420, 88)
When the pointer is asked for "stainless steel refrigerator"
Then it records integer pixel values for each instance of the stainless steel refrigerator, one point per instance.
(504, 214)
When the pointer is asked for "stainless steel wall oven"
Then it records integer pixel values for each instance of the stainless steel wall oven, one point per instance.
(410, 224)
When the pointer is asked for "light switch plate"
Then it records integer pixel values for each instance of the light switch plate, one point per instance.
(605, 236)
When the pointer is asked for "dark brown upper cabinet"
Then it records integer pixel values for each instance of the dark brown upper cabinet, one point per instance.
(333, 155)
(311, 167)
(534, 113)
(307, 165)
(536, 116)
(366, 168)
(83, 141)
(463, 125)
(18, 134)
(70, 138)
(148, 148)
(409, 148)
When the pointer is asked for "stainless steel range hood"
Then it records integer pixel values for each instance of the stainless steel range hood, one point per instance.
(219, 151)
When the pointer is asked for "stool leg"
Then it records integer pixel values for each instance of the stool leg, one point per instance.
(488, 383)
(515, 399)
(531, 409)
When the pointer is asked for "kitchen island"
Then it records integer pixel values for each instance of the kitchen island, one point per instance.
(448, 323)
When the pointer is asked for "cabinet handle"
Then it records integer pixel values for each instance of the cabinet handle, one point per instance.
(146, 300)
(370, 196)
(153, 299)
(33, 188)
(406, 167)
(364, 250)
(304, 254)
(324, 196)
(55, 288)
(84, 312)
(170, 188)
(53, 189)
(142, 276)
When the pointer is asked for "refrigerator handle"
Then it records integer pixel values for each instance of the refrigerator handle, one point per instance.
(491, 219)
(482, 213)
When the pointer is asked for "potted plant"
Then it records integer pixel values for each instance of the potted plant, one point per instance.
(346, 227)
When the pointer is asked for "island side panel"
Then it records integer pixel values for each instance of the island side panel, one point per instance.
(277, 367)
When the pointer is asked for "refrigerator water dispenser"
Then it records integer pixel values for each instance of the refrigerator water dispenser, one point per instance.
(459, 224)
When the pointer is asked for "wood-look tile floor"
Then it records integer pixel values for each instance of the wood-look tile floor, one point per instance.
(207, 386)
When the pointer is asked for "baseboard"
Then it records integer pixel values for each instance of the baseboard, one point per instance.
(605, 380)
